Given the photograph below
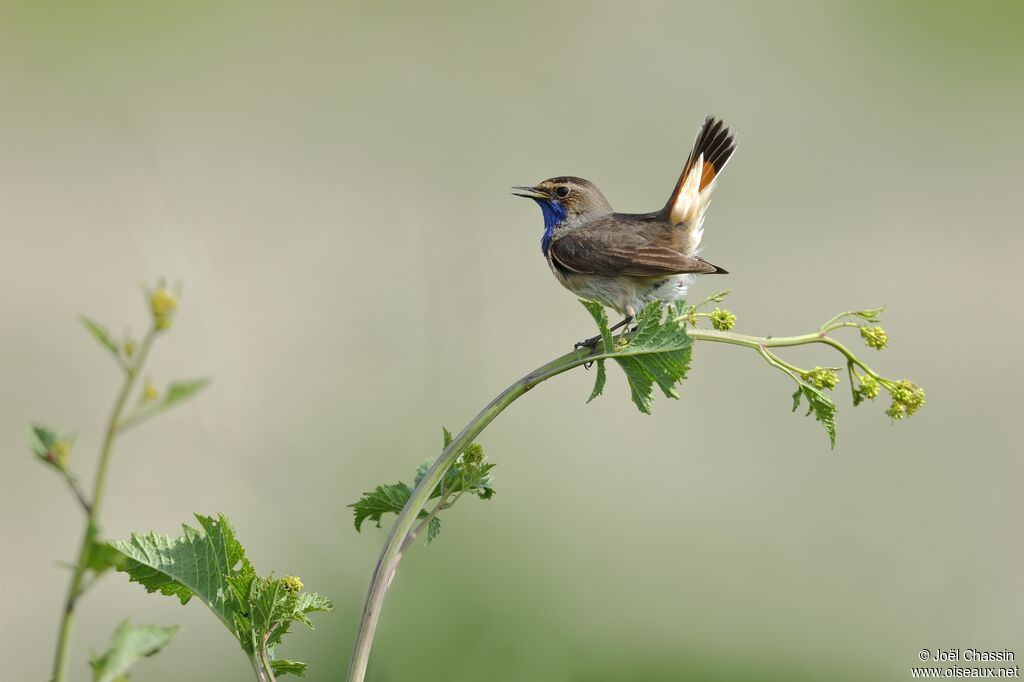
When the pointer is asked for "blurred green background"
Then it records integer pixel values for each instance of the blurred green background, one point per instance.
(331, 184)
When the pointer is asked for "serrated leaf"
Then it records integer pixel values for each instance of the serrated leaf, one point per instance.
(658, 352)
(199, 563)
(103, 556)
(821, 406)
(130, 643)
(447, 437)
(433, 528)
(311, 602)
(596, 311)
(100, 333)
(379, 501)
(282, 666)
(470, 473)
(179, 391)
(599, 381)
(211, 564)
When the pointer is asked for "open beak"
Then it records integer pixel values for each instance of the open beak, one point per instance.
(531, 193)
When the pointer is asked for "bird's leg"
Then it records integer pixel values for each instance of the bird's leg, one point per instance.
(624, 323)
(592, 341)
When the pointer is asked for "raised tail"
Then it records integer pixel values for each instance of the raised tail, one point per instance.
(711, 151)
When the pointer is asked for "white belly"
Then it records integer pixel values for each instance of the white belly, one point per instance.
(623, 293)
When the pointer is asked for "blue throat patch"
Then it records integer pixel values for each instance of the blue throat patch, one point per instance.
(554, 215)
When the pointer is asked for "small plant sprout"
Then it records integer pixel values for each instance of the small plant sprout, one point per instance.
(52, 448)
(209, 563)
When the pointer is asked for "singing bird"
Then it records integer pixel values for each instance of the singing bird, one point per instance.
(627, 260)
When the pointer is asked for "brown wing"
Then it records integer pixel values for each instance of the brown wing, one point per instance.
(612, 247)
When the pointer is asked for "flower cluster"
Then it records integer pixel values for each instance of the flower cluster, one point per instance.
(473, 456)
(292, 583)
(722, 320)
(869, 387)
(821, 377)
(874, 337)
(907, 397)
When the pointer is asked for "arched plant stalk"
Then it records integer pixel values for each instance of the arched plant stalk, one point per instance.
(656, 352)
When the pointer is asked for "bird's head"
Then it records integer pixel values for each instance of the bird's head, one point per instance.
(565, 201)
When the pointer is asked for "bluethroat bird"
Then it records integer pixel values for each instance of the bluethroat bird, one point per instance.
(627, 260)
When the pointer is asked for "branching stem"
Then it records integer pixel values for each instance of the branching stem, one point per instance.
(91, 530)
(406, 528)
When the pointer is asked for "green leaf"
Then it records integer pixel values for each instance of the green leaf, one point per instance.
(41, 439)
(433, 528)
(658, 352)
(130, 643)
(180, 391)
(379, 501)
(100, 333)
(282, 666)
(177, 392)
(821, 406)
(103, 556)
(50, 447)
(870, 315)
(211, 564)
(599, 381)
(198, 563)
(596, 311)
(471, 473)
(718, 296)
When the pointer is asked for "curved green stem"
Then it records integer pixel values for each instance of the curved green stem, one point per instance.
(406, 525)
(392, 552)
(94, 505)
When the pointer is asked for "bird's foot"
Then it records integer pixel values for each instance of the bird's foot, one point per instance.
(590, 343)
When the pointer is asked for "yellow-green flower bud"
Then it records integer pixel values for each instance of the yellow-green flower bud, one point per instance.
(292, 583)
(909, 395)
(869, 387)
(874, 337)
(129, 348)
(149, 392)
(907, 398)
(163, 304)
(723, 320)
(473, 455)
(896, 411)
(60, 451)
(821, 377)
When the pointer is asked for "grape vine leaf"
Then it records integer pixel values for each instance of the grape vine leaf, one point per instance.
(130, 644)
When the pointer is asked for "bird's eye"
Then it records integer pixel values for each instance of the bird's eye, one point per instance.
(562, 192)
